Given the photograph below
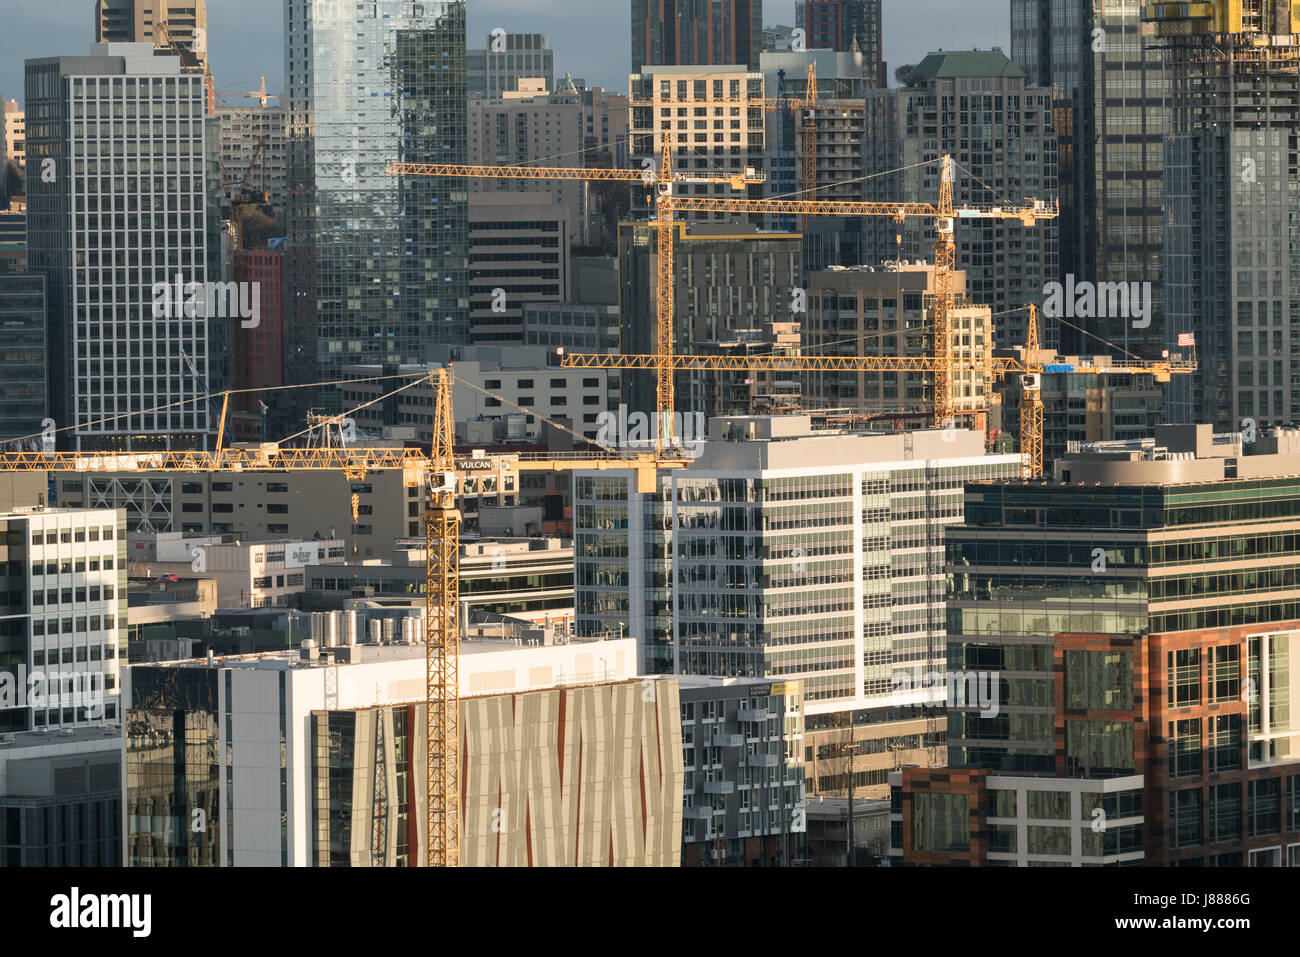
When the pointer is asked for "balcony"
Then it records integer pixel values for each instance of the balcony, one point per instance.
(727, 739)
(719, 787)
(763, 760)
(752, 714)
(696, 812)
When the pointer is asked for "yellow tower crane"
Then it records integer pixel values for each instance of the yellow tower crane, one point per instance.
(442, 561)
(661, 180)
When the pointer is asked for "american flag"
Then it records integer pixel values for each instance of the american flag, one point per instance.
(1186, 339)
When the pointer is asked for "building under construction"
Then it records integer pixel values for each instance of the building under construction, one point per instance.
(1232, 190)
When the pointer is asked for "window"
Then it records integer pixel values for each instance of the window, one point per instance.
(1185, 817)
(1225, 742)
(940, 822)
(1185, 747)
(1225, 812)
(1184, 677)
(1048, 840)
(1227, 674)
(1048, 804)
(1265, 805)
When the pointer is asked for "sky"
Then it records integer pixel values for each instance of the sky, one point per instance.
(591, 38)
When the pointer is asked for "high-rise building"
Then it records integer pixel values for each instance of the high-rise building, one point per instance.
(15, 135)
(778, 39)
(733, 286)
(1232, 194)
(23, 408)
(743, 747)
(1110, 107)
(696, 33)
(978, 107)
(117, 221)
(1134, 618)
(1085, 407)
(63, 610)
(183, 24)
(377, 265)
(724, 134)
(13, 236)
(889, 311)
(845, 25)
(257, 354)
(61, 801)
(834, 133)
(532, 126)
(253, 144)
(507, 58)
(782, 552)
(518, 253)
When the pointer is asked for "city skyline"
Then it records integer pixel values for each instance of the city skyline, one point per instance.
(239, 57)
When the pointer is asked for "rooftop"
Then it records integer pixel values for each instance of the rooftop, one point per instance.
(968, 64)
(1183, 454)
(66, 737)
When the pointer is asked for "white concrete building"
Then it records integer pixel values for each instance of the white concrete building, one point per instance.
(511, 387)
(63, 616)
(810, 556)
(248, 574)
(259, 713)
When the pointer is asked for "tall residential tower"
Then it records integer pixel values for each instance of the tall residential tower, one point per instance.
(696, 33)
(377, 265)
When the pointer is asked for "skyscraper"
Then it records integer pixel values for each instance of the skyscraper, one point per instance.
(844, 25)
(1133, 618)
(998, 128)
(183, 23)
(696, 33)
(507, 58)
(117, 210)
(1109, 106)
(1232, 193)
(377, 265)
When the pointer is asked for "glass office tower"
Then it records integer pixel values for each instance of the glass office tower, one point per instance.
(1110, 124)
(377, 264)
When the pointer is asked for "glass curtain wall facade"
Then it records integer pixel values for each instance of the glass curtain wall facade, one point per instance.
(1233, 200)
(173, 766)
(1140, 630)
(1111, 95)
(22, 361)
(378, 264)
